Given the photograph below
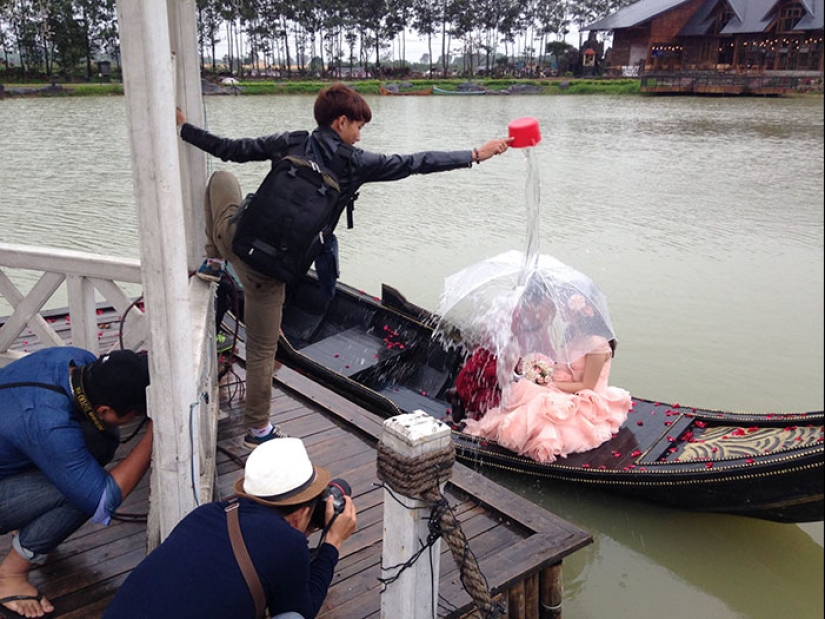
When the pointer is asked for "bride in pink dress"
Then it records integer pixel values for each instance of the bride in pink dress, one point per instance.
(553, 409)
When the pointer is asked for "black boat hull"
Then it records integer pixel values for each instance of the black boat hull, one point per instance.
(380, 354)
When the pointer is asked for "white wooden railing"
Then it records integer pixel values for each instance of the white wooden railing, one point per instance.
(87, 276)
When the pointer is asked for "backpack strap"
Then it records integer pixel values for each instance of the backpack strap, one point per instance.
(341, 162)
(343, 156)
(250, 574)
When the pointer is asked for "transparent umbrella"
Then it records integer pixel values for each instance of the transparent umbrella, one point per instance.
(517, 306)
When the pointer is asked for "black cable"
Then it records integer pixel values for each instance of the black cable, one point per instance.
(123, 319)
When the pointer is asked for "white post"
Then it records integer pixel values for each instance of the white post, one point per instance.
(183, 32)
(412, 435)
(150, 104)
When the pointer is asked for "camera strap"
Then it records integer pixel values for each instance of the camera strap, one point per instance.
(313, 554)
(250, 574)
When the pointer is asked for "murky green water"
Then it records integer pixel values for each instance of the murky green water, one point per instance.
(701, 219)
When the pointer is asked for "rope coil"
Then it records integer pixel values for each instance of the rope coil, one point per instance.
(420, 478)
(415, 477)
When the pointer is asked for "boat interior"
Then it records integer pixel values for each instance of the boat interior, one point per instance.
(374, 346)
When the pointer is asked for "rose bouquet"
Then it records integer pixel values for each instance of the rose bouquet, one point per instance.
(536, 368)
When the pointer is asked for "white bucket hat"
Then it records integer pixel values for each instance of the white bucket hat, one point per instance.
(279, 473)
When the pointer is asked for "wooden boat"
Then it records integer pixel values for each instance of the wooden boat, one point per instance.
(405, 93)
(380, 353)
(441, 91)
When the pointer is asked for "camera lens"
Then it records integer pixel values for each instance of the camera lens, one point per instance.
(337, 489)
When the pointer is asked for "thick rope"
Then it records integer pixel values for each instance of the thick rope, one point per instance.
(420, 478)
(413, 477)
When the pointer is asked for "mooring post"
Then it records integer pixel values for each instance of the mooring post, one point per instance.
(551, 586)
(410, 443)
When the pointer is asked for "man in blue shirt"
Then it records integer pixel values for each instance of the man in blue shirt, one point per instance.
(195, 573)
(60, 413)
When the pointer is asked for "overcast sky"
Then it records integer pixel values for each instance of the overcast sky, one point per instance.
(417, 46)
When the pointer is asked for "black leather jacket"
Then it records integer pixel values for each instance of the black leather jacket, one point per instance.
(366, 167)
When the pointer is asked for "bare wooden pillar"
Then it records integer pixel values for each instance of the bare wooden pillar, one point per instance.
(532, 599)
(515, 601)
(551, 588)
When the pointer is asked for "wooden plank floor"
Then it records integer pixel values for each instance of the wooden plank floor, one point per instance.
(511, 537)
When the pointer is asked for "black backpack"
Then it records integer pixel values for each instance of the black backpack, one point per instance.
(282, 227)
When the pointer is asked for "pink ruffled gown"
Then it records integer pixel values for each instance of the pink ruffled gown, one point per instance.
(543, 423)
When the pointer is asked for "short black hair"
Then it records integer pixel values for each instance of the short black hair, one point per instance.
(117, 379)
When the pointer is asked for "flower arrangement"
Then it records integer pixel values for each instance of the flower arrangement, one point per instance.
(536, 369)
(477, 384)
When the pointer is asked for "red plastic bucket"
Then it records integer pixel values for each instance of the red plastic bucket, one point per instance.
(525, 132)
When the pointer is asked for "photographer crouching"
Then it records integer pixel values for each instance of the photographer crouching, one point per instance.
(61, 411)
(248, 556)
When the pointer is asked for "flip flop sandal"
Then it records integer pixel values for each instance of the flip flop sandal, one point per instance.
(17, 598)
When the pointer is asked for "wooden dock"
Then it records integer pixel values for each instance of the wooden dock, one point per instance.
(772, 84)
(519, 546)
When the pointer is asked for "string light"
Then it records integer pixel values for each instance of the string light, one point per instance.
(799, 51)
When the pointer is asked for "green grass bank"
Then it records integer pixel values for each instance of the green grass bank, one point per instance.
(555, 86)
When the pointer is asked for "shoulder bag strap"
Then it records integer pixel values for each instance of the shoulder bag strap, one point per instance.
(34, 384)
(253, 581)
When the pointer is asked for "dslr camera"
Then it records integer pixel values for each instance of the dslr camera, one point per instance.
(338, 489)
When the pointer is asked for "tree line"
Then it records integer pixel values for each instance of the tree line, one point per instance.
(65, 37)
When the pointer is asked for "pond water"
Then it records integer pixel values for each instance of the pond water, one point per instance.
(700, 218)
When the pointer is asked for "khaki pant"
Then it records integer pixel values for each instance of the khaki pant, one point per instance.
(263, 297)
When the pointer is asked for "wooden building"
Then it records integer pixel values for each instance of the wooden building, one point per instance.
(778, 38)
